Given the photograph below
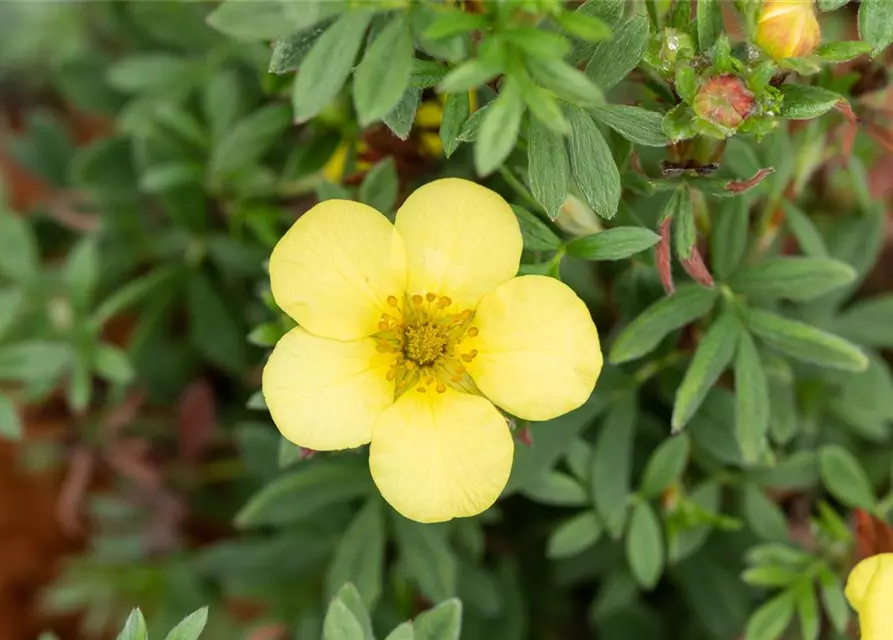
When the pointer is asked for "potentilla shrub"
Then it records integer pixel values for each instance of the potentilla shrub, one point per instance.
(425, 320)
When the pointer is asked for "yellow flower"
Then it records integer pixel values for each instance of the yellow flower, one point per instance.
(788, 28)
(870, 592)
(410, 334)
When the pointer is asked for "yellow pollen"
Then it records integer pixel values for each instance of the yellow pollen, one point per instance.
(392, 301)
(424, 344)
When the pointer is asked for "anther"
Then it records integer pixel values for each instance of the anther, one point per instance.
(420, 389)
(444, 302)
(473, 332)
(383, 325)
(392, 301)
(441, 388)
(431, 297)
(417, 299)
(392, 373)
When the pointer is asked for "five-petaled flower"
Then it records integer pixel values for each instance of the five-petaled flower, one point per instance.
(410, 333)
(870, 592)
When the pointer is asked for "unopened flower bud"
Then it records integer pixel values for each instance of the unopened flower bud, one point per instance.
(577, 218)
(788, 28)
(724, 101)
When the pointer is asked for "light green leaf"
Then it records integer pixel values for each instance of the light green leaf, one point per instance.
(499, 129)
(537, 236)
(831, 5)
(548, 169)
(18, 249)
(82, 272)
(351, 598)
(613, 244)
(443, 622)
(290, 51)
(557, 488)
(868, 322)
(805, 342)
(593, 165)
(325, 69)
(808, 612)
(645, 546)
(379, 187)
(359, 556)
(11, 303)
(191, 627)
(150, 73)
(455, 112)
(633, 123)
(804, 102)
(403, 632)
(833, 600)
(135, 627)
(876, 24)
(112, 364)
(401, 118)
(665, 465)
(752, 407)
(469, 75)
(612, 60)
(612, 464)
(451, 22)
(341, 624)
(770, 620)
(845, 478)
(574, 536)
(470, 129)
(33, 360)
(10, 422)
(842, 51)
(382, 77)
(248, 140)
(568, 82)
(584, 26)
(538, 43)
(793, 278)
(804, 230)
(763, 516)
(684, 229)
(712, 356)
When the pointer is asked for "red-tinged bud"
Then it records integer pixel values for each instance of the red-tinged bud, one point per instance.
(847, 111)
(696, 268)
(525, 436)
(307, 453)
(788, 28)
(662, 257)
(725, 101)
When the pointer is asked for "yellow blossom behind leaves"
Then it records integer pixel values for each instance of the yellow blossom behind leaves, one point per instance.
(412, 334)
(788, 28)
(869, 590)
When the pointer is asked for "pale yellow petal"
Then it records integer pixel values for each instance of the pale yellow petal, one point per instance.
(437, 456)
(326, 394)
(538, 350)
(869, 590)
(335, 268)
(462, 240)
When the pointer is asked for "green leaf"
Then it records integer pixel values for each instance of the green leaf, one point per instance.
(568, 82)
(359, 556)
(612, 60)
(643, 334)
(214, 329)
(455, 112)
(351, 598)
(751, 400)
(401, 118)
(538, 43)
(10, 422)
(426, 73)
(764, 516)
(557, 488)
(11, 303)
(586, 27)
(574, 536)
(33, 361)
(808, 612)
(612, 464)
(18, 249)
(645, 546)
(833, 600)
(804, 102)
(686, 83)
(868, 322)
(842, 51)
(665, 466)
(428, 559)
(845, 479)
(793, 278)
(593, 165)
(82, 272)
(448, 23)
(443, 622)
(679, 123)
(191, 627)
(379, 187)
(133, 292)
(684, 229)
(608, 11)
(499, 129)
(150, 73)
(710, 23)
(771, 619)
(876, 24)
(248, 140)
(325, 69)
(383, 75)
(112, 364)
(712, 356)
(308, 488)
(469, 75)
(804, 230)
(537, 236)
(633, 123)
(290, 51)
(403, 632)
(831, 5)
(169, 176)
(135, 627)
(469, 132)
(341, 624)
(728, 240)
(613, 244)
(805, 342)
(548, 169)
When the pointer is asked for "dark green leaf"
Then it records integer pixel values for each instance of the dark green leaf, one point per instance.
(150, 73)
(710, 23)
(548, 169)
(443, 622)
(644, 333)
(831, 5)
(455, 113)
(808, 236)
(876, 24)
(729, 238)
(770, 620)
(167, 177)
(428, 559)
(341, 624)
(794, 278)
(612, 60)
(665, 466)
(290, 51)
(752, 400)
(426, 73)
(712, 356)
(833, 600)
(633, 123)
(805, 342)
(613, 244)
(537, 236)
(383, 75)
(574, 536)
(842, 51)
(499, 130)
(359, 556)
(214, 329)
(191, 627)
(684, 229)
(470, 129)
(18, 249)
(379, 187)
(325, 69)
(557, 488)
(402, 117)
(804, 102)
(612, 464)
(763, 516)
(593, 165)
(808, 612)
(11, 303)
(645, 546)
(868, 322)
(248, 140)
(845, 478)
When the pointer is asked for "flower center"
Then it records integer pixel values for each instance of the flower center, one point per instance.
(425, 337)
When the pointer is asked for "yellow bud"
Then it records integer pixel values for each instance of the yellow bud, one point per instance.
(576, 218)
(869, 591)
(788, 28)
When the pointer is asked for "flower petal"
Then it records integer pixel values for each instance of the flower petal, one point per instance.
(437, 456)
(462, 240)
(335, 268)
(326, 394)
(869, 590)
(538, 350)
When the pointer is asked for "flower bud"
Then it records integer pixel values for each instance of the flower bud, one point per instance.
(724, 101)
(788, 28)
(576, 218)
